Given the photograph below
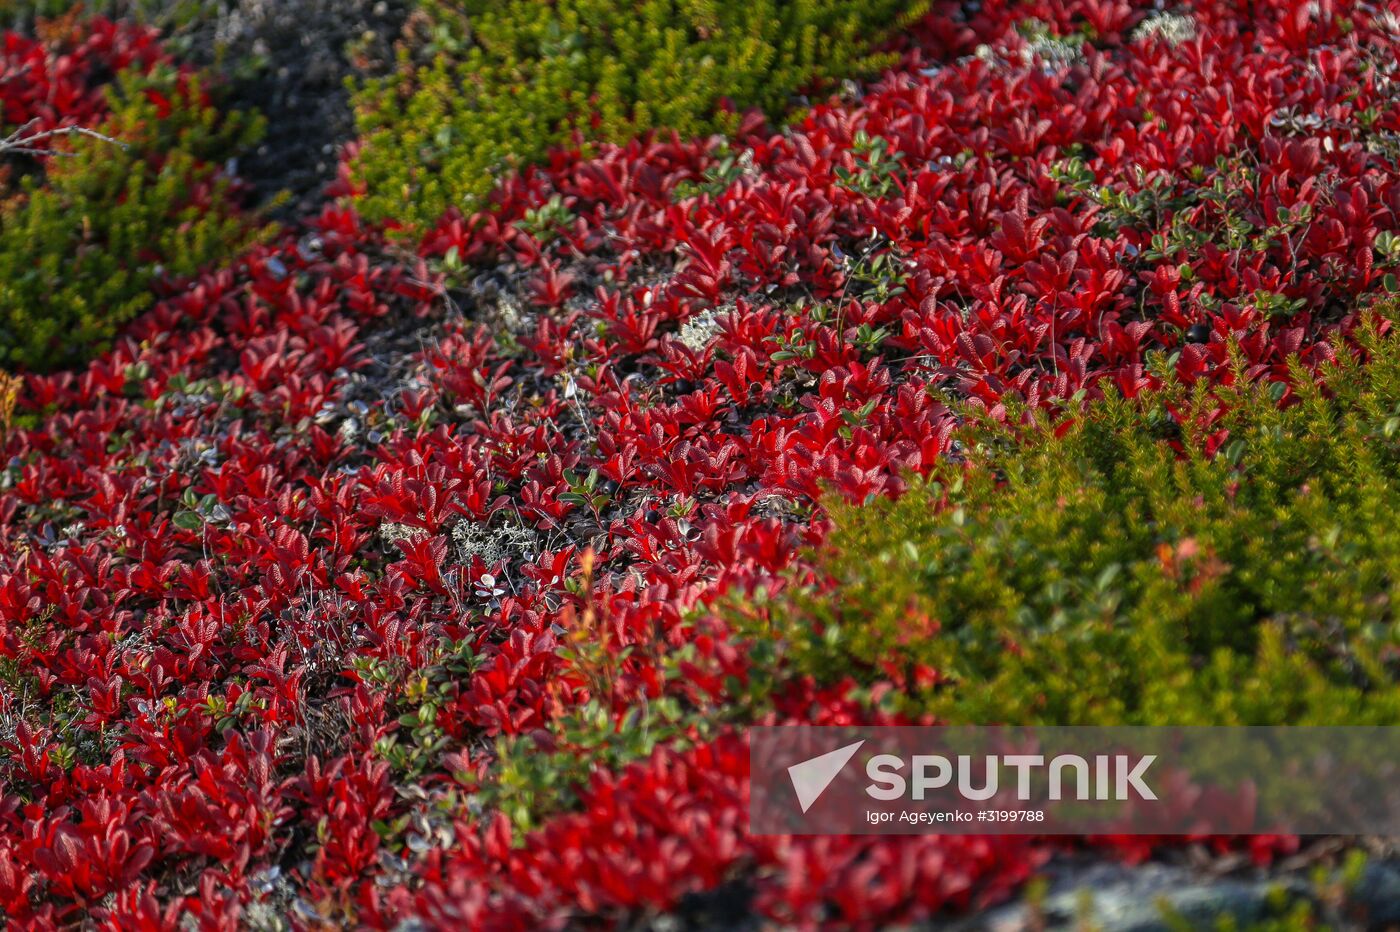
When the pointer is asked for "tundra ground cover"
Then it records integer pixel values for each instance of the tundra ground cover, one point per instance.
(96, 223)
(357, 584)
(1107, 568)
(494, 86)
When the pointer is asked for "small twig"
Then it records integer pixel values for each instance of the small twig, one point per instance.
(22, 142)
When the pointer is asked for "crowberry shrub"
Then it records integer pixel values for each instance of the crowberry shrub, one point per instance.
(1182, 557)
(91, 224)
(505, 82)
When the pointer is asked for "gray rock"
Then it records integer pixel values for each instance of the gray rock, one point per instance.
(1145, 898)
(1376, 896)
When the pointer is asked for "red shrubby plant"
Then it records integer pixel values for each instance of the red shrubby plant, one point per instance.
(53, 91)
(287, 574)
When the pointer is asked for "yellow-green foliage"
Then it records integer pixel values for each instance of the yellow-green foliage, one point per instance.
(82, 241)
(512, 78)
(1102, 577)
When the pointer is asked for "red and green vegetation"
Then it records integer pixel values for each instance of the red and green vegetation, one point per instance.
(422, 561)
(494, 85)
(1194, 557)
(94, 224)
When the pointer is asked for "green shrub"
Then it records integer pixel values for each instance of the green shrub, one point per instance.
(1118, 574)
(82, 242)
(508, 80)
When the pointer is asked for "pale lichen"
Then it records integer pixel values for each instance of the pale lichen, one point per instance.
(1171, 28)
(476, 539)
(697, 333)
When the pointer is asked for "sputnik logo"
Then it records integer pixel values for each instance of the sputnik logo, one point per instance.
(811, 777)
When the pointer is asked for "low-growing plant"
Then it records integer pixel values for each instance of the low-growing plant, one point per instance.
(420, 739)
(1186, 557)
(537, 775)
(504, 82)
(84, 240)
